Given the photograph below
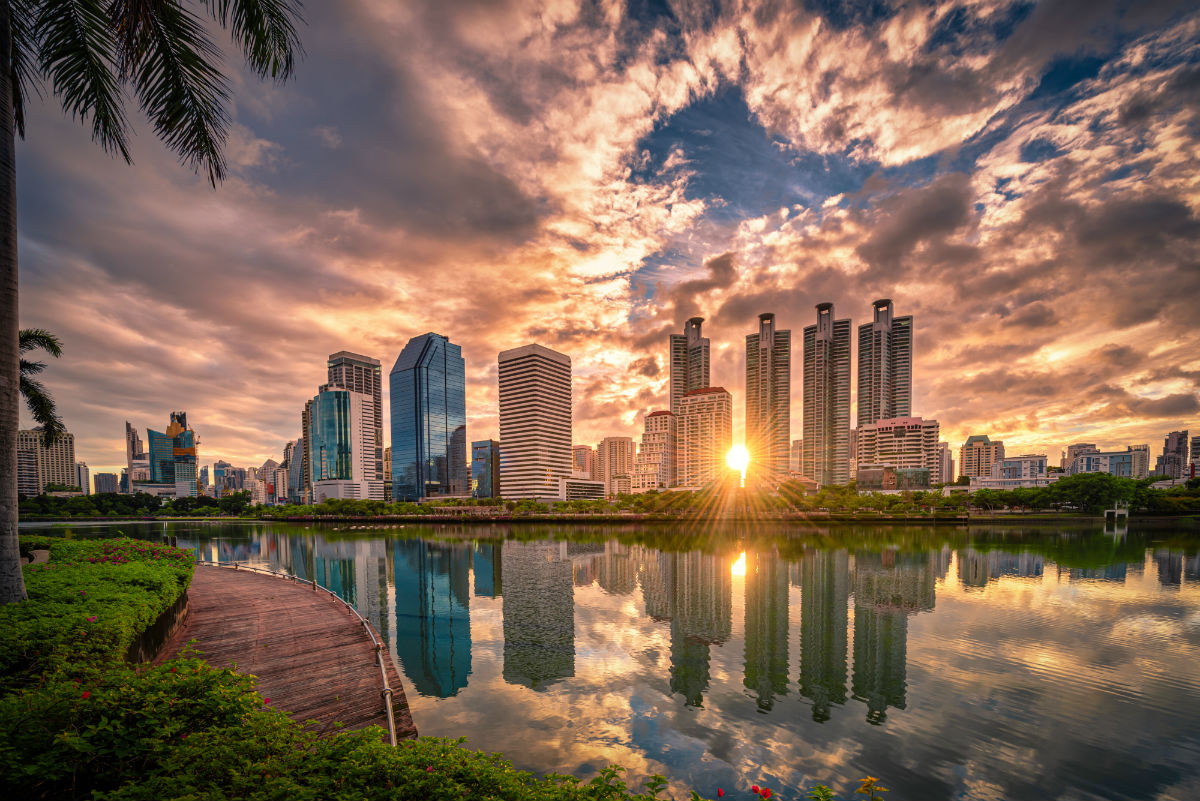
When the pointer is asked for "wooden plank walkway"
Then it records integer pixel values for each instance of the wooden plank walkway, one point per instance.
(311, 655)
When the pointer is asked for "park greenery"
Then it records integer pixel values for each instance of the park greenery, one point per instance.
(77, 721)
(1084, 494)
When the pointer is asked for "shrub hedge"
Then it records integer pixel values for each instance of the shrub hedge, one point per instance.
(86, 606)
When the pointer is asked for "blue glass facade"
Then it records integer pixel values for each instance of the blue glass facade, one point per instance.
(433, 620)
(330, 448)
(177, 444)
(428, 387)
(162, 460)
(485, 468)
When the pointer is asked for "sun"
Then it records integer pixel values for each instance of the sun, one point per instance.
(738, 459)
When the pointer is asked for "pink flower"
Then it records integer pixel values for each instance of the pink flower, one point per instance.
(429, 769)
(91, 619)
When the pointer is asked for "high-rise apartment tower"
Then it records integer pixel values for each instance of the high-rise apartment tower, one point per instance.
(885, 361)
(689, 361)
(768, 400)
(827, 399)
(359, 373)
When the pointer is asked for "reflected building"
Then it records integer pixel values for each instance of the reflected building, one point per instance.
(433, 622)
(694, 592)
(977, 568)
(824, 579)
(487, 569)
(539, 613)
(1170, 567)
(1115, 573)
(888, 587)
(617, 570)
(766, 628)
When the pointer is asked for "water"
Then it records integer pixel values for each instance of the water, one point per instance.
(990, 664)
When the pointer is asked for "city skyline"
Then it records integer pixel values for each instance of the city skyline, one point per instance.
(1040, 179)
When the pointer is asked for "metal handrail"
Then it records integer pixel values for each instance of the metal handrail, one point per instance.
(379, 647)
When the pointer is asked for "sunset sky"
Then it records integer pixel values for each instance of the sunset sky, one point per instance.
(1023, 178)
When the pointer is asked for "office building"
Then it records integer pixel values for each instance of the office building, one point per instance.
(359, 373)
(1174, 460)
(485, 469)
(614, 458)
(305, 463)
(428, 396)
(106, 482)
(827, 399)
(583, 460)
(296, 473)
(1194, 457)
(174, 456)
(137, 461)
(768, 400)
(1076, 450)
(1133, 462)
(83, 478)
(654, 467)
(689, 362)
(947, 463)
(885, 362)
(535, 421)
(976, 456)
(704, 435)
(340, 442)
(902, 442)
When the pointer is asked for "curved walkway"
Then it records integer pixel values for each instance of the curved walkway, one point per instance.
(310, 654)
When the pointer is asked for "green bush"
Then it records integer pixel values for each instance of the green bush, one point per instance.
(87, 606)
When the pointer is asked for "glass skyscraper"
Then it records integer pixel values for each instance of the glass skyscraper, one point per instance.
(175, 446)
(485, 468)
(428, 388)
(330, 440)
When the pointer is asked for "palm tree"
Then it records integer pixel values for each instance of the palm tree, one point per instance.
(37, 398)
(93, 54)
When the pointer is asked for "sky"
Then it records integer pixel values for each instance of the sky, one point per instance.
(1022, 178)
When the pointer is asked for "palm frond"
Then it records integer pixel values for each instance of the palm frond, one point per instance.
(172, 67)
(24, 72)
(266, 31)
(31, 338)
(78, 53)
(31, 368)
(41, 407)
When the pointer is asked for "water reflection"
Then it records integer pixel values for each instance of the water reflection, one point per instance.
(973, 665)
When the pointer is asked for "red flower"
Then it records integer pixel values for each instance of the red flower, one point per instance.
(766, 792)
(754, 789)
(86, 695)
(266, 700)
(720, 793)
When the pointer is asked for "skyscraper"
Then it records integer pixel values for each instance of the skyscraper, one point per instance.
(689, 362)
(340, 443)
(83, 478)
(535, 421)
(768, 400)
(827, 399)
(428, 387)
(704, 434)
(137, 461)
(485, 468)
(359, 373)
(614, 457)
(885, 360)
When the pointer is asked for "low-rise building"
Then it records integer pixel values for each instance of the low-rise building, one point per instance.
(580, 488)
(1028, 471)
(1133, 462)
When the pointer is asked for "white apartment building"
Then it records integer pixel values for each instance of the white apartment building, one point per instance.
(40, 466)
(1027, 471)
(903, 442)
(535, 421)
(704, 434)
(654, 467)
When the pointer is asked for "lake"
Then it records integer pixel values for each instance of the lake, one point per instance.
(989, 663)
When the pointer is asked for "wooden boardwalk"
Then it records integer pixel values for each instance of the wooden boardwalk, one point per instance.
(311, 655)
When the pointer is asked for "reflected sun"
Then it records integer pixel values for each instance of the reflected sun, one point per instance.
(738, 568)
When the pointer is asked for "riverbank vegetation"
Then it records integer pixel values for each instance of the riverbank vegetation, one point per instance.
(1085, 494)
(78, 722)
